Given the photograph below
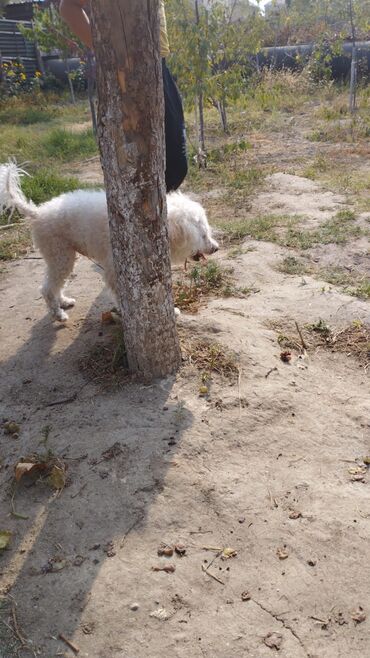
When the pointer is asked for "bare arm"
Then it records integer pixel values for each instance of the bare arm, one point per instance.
(72, 11)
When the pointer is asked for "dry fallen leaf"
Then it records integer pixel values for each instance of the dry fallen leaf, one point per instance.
(5, 536)
(228, 552)
(273, 641)
(357, 470)
(358, 615)
(162, 614)
(57, 477)
(23, 468)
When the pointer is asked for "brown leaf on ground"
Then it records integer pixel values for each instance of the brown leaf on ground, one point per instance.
(28, 468)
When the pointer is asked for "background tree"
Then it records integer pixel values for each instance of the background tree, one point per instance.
(131, 140)
(50, 33)
(211, 43)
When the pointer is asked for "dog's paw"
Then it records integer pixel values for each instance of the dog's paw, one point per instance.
(61, 315)
(67, 302)
(177, 312)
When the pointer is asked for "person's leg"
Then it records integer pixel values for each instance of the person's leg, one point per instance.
(176, 160)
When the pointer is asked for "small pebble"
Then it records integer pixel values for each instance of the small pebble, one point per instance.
(134, 606)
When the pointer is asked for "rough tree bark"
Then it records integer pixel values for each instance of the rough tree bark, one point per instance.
(131, 140)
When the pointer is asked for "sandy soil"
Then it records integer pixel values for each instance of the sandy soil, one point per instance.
(260, 466)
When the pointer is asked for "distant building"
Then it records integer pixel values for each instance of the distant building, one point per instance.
(20, 11)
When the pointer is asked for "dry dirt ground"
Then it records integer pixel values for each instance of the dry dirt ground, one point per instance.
(258, 480)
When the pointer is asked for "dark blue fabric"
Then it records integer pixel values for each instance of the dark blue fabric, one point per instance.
(176, 159)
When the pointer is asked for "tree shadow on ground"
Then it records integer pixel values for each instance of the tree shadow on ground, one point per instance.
(119, 447)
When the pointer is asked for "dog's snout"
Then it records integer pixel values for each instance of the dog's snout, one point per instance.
(214, 248)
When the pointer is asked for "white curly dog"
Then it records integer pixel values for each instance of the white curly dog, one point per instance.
(77, 222)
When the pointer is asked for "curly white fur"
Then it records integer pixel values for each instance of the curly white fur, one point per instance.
(77, 222)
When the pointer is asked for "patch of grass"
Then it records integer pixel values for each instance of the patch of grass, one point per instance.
(333, 231)
(206, 279)
(209, 357)
(332, 113)
(292, 265)
(320, 327)
(27, 116)
(319, 166)
(346, 215)
(362, 290)
(106, 363)
(353, 341)
(15, 243)
(68, 146)
(244, 180)
(258, 228)
(46, 184)
(219, 154)
(202, 280)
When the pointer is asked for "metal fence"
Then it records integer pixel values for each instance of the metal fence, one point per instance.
(13, 46)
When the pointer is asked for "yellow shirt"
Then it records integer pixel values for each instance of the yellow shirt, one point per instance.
(165, 48)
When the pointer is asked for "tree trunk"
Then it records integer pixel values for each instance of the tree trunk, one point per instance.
(90, 72)
(131, 140)
(221, 106)
(353, 79)
(70, 84)
(201, 138)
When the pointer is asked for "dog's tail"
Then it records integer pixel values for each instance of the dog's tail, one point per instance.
(11, 195)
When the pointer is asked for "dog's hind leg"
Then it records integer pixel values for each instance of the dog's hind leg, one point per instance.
(59, 267)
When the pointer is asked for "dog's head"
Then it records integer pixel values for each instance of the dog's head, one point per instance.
(189, 231)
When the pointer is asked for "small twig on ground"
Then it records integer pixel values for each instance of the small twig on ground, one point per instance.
(72, 398)
(239, 393)
(14, 511)
(79, 491)
(271, 371)
(6, 226)
(69, 644)
(303, 343)
(273, 501)
(211, 575)
(16, 628)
